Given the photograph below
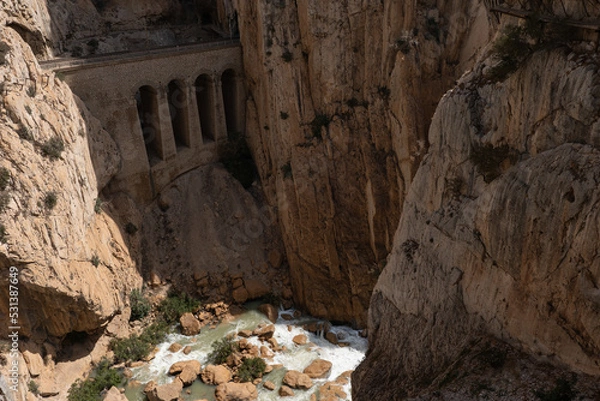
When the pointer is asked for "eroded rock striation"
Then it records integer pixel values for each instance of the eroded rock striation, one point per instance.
(499, 230)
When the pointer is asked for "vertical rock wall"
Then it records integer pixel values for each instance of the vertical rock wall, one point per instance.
(340, 96)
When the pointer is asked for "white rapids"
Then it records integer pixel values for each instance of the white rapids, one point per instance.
(294, 357)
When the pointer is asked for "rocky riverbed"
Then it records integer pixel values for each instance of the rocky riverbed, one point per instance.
(306, 359)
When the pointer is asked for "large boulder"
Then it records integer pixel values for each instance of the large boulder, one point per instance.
(188, 375)
(165, 392)
(265, 332)
(114, 395)
(318, 369)
(178, 367)
(236, 392)
(190, 326)
(296, 379)
(270, 311)
(216, 374)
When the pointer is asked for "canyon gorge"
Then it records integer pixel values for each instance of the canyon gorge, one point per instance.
(426, 171)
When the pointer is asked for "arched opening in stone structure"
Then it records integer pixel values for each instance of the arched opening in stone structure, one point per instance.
(230, 101)
(179, 113)
(205, 101)
(147, 106)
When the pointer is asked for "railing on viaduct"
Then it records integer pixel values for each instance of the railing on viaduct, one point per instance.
(167, 108)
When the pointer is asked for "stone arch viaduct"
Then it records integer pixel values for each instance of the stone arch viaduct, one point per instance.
(167, 109)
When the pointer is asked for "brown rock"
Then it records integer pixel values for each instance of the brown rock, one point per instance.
(113, 394)
(286, 316)
(264, 333)
(240, 295)
(245, 333)
(216, 374)
(175, 347)
(285, 391)
(178, 367)
(237, 283)
(332, 337)
(187, 349)
(190, 326)
(256, 288)
(236, 392)
(273, 343)
(331, 392)
(270, 311)
(296, 379)
(318, 369)
(166, 392)
(265, 352)
(268, 368)
(269, 385)
(35, 363)
(287, 293)
(188, 375)
(300, 339)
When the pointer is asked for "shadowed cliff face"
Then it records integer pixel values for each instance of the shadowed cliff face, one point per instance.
(507, 248)
(340, 96)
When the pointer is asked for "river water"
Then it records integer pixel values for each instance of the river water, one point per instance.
(295, 357)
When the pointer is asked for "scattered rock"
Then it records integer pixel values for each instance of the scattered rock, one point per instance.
(188, 375)
(264, 333)
(127, 373)
(286, 316)
(269, 385)
(187, 349)
(265, 352)
(285, 391)
(300, 339)
(273, 343)
(245, 333)
(114, 395)
(270, 311)
(175, 347)
(154, 280)
(35, 363)
(237, 283)
(190, 326)
(166, 392)
(331, 392)
(296, 379)
(236, 392)
(178, 367)
(318, 369)
(135, 364)
(332, 337)
(216, 374)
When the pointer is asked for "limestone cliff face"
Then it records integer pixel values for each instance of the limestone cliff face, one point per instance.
(499, 230)
(75, 268)
(340, 96)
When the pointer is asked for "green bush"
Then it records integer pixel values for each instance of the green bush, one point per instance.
(287, 56)
(132, 348)
(510, 49)
(251, 368)
(95, 260)
(50, 200)
(137, 347)
(221, 349)
(176, 305)
(488, 159)
(4, 178)
(103, 377)
(33, 387)
(53, 147)
(284, 115)
(98, 205)
(562, 391)
(140, 306)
